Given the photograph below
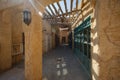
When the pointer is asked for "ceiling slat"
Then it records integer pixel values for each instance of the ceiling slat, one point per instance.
(74, 11)
(51, 9)
(59, 7)
(48, 12)
(71, 6)
(76, 4)
(65, 6)
(55, 9)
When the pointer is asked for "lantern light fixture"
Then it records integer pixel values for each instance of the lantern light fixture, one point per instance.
(27, 17)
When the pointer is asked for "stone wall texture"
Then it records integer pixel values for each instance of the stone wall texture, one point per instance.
(64, 33)
(11, 31)
(5, 40)
(11, 25)
(106, 40)
(47, 36)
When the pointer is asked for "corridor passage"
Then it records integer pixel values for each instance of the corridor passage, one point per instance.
(61, 64)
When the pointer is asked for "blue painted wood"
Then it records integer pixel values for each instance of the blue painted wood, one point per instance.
(70, 40)
(82, 43)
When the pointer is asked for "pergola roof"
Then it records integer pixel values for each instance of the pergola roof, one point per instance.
(65, 12)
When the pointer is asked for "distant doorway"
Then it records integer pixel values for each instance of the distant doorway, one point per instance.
(63, 40)
(56, 40)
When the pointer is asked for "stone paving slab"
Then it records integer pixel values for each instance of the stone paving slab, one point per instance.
(61, 64)
(16, 73)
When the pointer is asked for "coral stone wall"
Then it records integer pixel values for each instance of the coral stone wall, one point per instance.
(106, 40)
(64, 33)
(47, 36)
(5, 40)
(11, 31)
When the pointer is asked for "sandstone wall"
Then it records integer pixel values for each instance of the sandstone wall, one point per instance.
(64, 33)
(47, 36)
(106, 40)
(17, 30)
(11, 18)
(5, 40)
(33, 35)
(33, 45)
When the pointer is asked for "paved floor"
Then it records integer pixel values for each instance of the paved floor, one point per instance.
(16, 73)
(61, 64)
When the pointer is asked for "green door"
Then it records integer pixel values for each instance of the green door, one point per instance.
(82, 44)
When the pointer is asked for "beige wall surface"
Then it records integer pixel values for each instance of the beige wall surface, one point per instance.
(47, 36)
(11, 33)
(106, 40)
(5, 40)
(64, 33)
(33, 35)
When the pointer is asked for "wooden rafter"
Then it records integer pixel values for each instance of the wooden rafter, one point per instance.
(51, 9)
(65, 6)
(59, 7)
(55, 17)
(55, 9)
(82, 2)
(71, 5)
(48, 12)
(85, 7)
(74, 11)
(71, 9)
(89, 12)
(79, 13)
(76, 4)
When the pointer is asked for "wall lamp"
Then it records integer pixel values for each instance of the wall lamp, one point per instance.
(27, 17)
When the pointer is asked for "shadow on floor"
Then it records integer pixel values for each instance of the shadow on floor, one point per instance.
(16, 73)
(61, 64)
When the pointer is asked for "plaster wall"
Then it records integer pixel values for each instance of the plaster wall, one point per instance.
(5, 41)
(106, 40)
(64, 33)
(47, 36)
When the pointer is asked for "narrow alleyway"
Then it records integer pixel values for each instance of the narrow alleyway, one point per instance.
(58, 64)
(61, 64)
(16, 73)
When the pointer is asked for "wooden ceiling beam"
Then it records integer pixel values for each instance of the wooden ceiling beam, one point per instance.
(71, 6)
(76, 4)
(48, 12)
(51, 9)
(75, 11)
(82, 5)
(55, 9)
(89, 12)
(65, 6)
(85, 8)
(59, 7)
